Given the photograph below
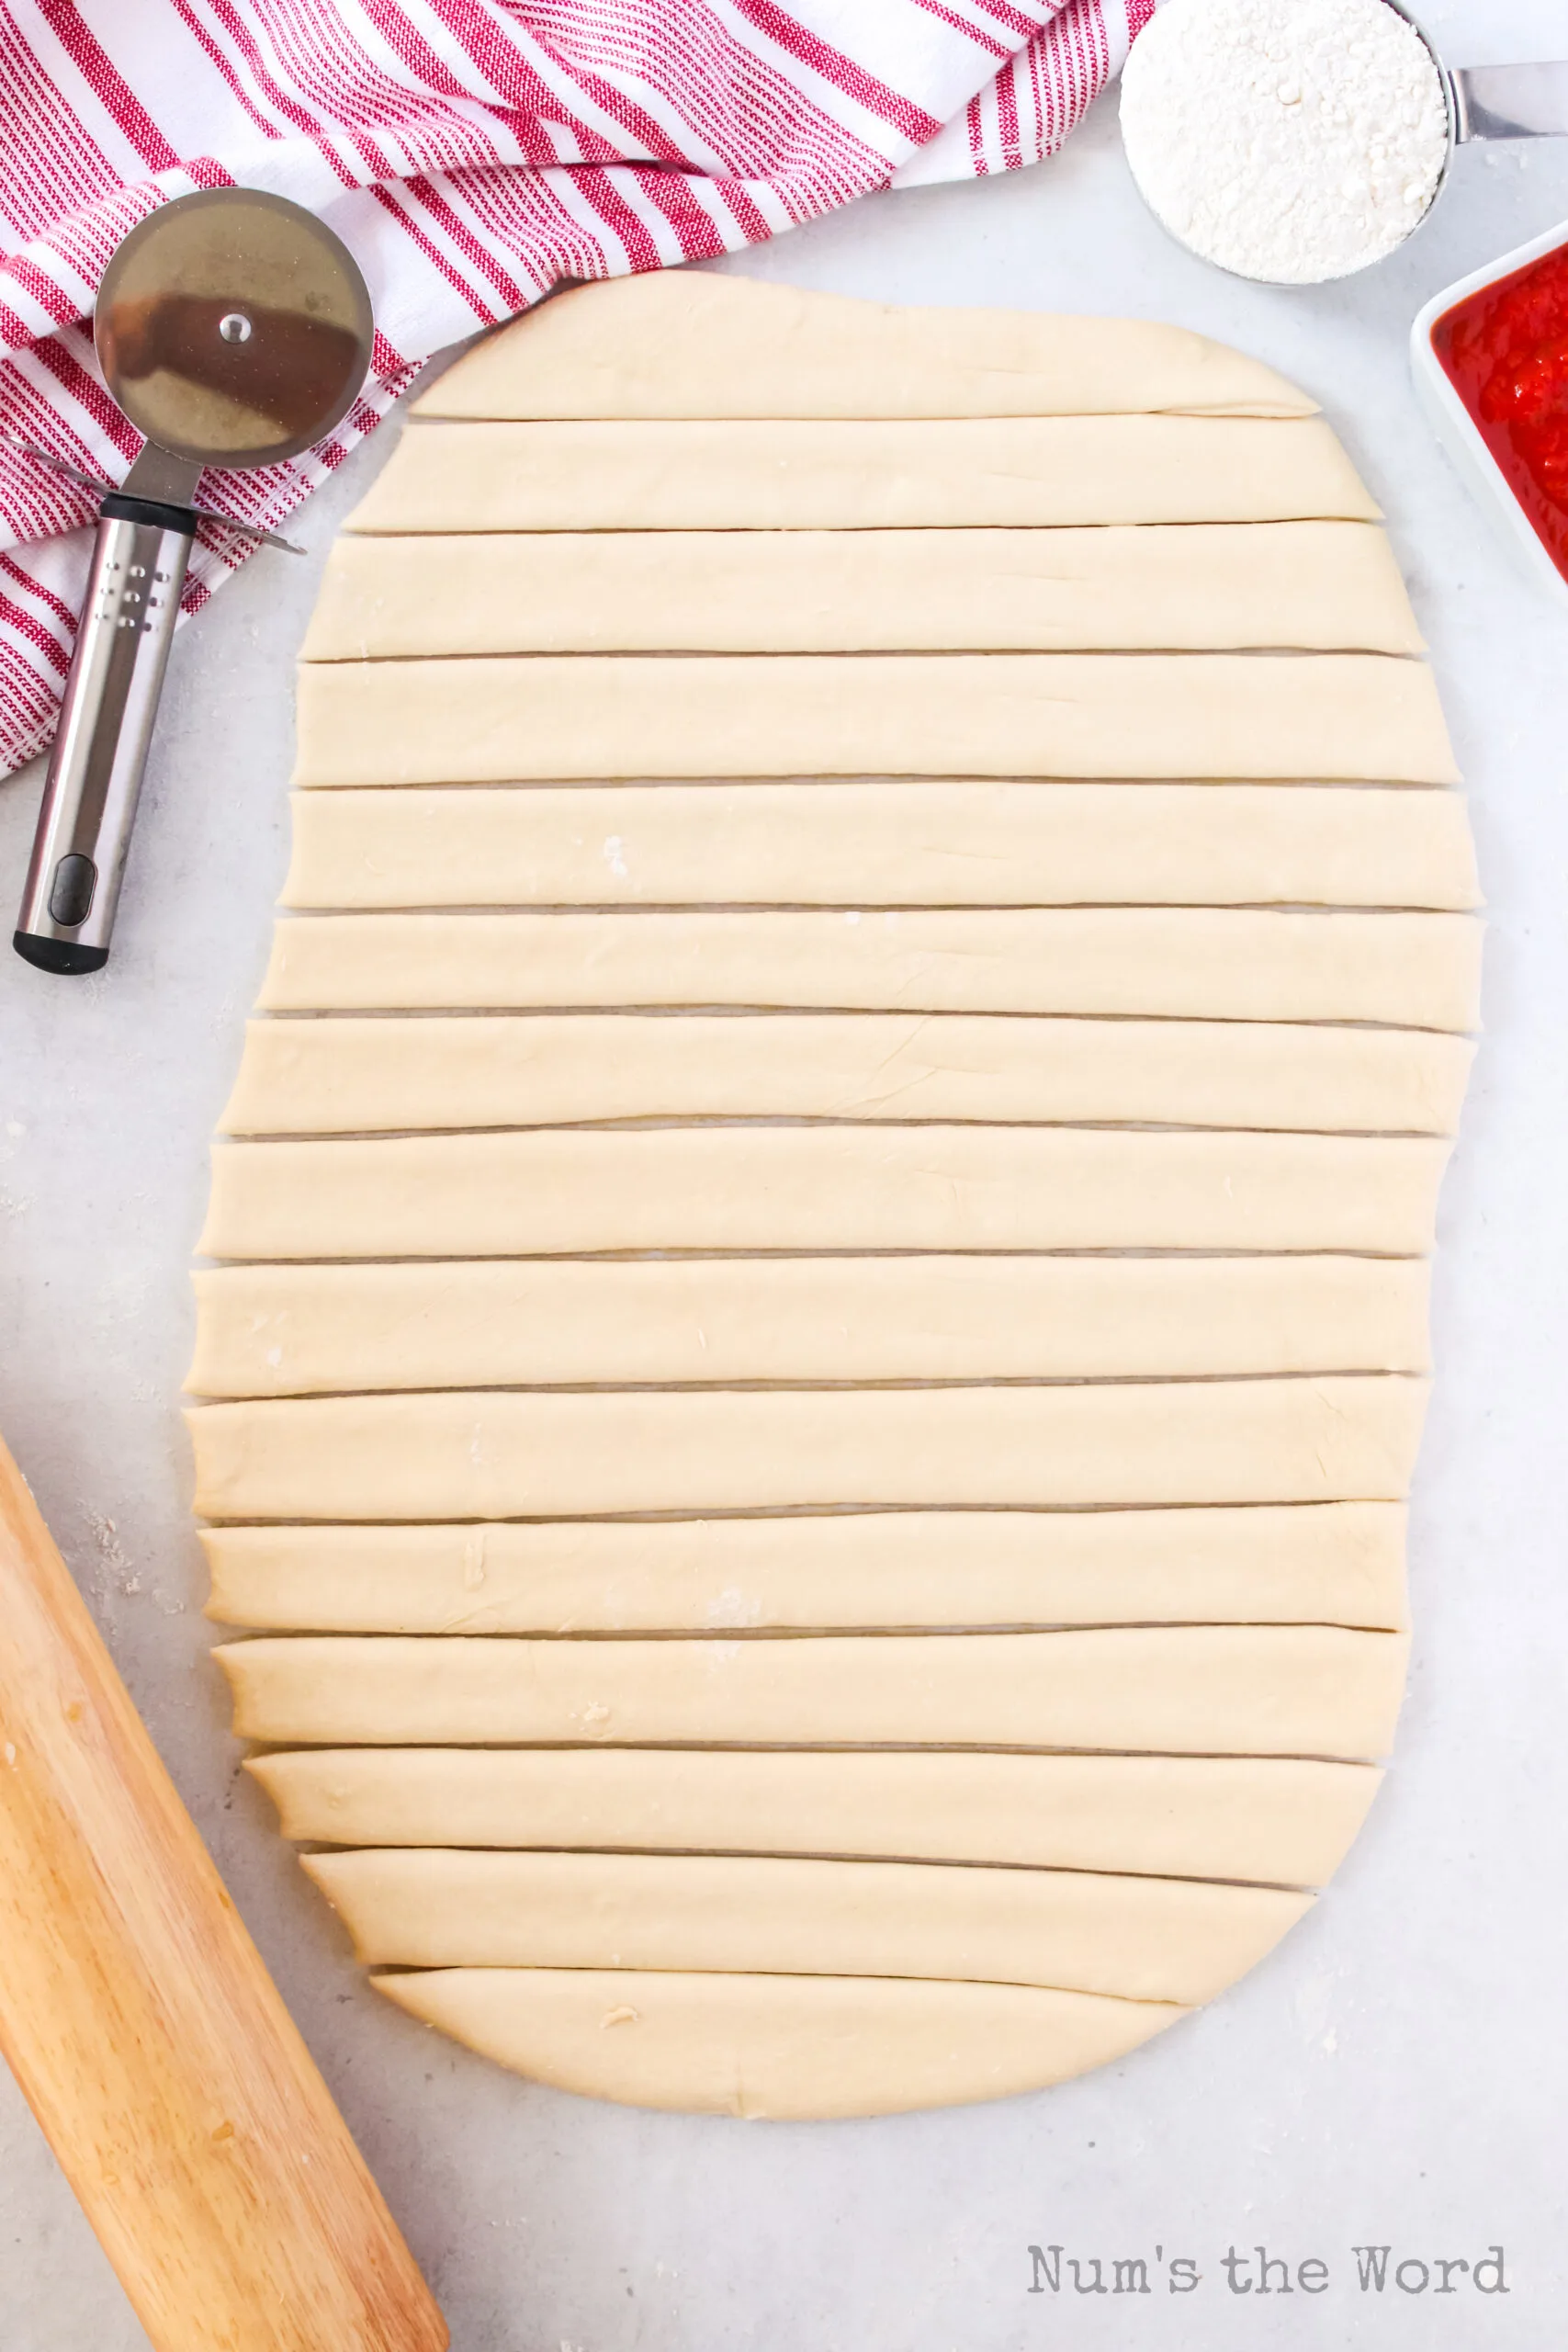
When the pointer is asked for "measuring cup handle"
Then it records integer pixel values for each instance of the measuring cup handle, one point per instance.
(106, 725)
(1511, 101)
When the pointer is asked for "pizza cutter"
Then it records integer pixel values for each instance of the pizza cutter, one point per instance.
(233, 330)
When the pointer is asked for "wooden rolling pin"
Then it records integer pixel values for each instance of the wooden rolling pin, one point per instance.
(150, 2040)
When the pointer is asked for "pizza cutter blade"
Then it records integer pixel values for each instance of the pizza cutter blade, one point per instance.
(233, 330)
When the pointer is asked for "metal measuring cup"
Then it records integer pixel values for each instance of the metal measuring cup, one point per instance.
(1490, 102)
(1493, 102)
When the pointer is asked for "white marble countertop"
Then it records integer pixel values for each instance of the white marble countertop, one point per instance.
(1398, 2073)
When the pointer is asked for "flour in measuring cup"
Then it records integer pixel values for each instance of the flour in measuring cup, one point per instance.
(1287, 139)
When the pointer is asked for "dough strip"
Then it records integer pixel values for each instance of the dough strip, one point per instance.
(1308, 1690)
(1414, 970)
(883, 844)
(1133, 1938)
(483, 1324)
(1330, 717)
(1273, 1820)
(1331, 587)
(851, 474)
(1337, 1564)
(832, 1187)
(503, 1454)
(781, 2046)
(345, 1076)
(684, 344)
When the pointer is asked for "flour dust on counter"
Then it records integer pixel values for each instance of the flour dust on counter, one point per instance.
(818, 1333)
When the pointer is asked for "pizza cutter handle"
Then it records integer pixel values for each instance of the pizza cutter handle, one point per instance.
(150, 2041)
(105, 726)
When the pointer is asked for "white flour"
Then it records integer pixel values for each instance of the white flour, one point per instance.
(1287, 140)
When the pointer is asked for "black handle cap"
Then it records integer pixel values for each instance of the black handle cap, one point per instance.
(58, 954)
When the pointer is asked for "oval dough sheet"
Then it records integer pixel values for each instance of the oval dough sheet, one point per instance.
(1013, 473)
(1276, 1819)
(883, 844)
(679, 343)
(348, 1076)
(1334, 586)
(501, 1454)
(1342, 717)
(822, 1187)
(1079, 1931)
(813, 1442)
(301, 1330)
(1336, 1564)
(779, 2046)
(1421, 972)
(1187, 1689)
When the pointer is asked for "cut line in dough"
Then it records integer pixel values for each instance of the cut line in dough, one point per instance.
(1357, 718)
(1420, 971)
(834, 1187)
(1309, 1690)
(682, 343)
(1080, 1931)
(304, 1330)
(349, 1076)
(1329, 587)
(883, 844)
(1276, 1820)
(500, 1454)
(780, 2046)
(1336, 1564)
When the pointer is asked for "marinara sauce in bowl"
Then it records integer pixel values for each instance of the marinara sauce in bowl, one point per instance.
(1490, 360)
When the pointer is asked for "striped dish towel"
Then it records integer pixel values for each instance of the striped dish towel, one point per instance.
(471, 153)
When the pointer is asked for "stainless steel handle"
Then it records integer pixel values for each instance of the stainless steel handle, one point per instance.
(105, 726)
(1511, 101)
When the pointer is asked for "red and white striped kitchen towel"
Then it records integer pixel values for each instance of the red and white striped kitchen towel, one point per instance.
(471, 153)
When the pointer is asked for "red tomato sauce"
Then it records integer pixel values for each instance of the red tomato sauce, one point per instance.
(1505, 350)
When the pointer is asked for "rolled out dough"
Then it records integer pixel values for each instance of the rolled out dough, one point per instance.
(860, 1419)
(491, 1454)
(836, 1187)
(682, 344)
(301, 1330)
(348, 1076)
(1357, 718)
(780, 2046)
(1231, 963)
(1313, 1690)
(1012, 473)
(1337, 1564)
(1079, 1931)
(1282, 1820)
(858, 846)
(1331, 586)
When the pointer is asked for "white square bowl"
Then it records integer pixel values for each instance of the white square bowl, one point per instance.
(1458, 432)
